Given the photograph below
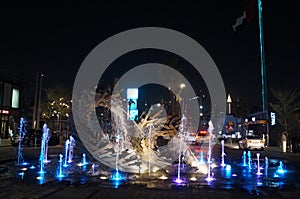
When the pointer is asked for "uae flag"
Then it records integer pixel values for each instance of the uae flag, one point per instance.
(248, 15)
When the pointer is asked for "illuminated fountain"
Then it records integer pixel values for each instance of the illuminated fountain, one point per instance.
(116, 176)
(44, 148)
(46, 137)
(258, 165)
(149, 150)
(84, 159)
(93, 169)
(201, 161)
(249, 159)
(83, 162)
(210, 130)
(67, 143)
(178, 180)
(71, 148)
(244, 159)
(60, 172)
(22, 133)
(223, 154)
(266, 166)
(280, 168)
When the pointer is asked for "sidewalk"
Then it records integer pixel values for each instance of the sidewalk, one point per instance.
(4, 142)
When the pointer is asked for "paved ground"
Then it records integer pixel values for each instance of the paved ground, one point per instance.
(12, 187)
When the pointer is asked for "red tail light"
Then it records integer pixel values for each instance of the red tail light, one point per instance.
(202, 133)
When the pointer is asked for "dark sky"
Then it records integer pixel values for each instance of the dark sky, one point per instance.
(55, 38)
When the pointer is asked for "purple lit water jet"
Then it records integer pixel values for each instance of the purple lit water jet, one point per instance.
(71, 148)
(223, 154)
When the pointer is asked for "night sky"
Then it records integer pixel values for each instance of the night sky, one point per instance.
(55, 38)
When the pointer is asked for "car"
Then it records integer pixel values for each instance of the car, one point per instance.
(201, 136)
(190, 138)
(34, 137)
(31, 138)
(252, 142)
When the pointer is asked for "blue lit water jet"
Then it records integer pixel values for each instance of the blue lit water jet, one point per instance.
(244, 159)
(280, 168)
(46, 137)
(249, 159)
(22, 133)
(43, 153)
(60, 173)
(201, 161)
(228, 167)
(228, 171)
(266, 166)
(84, 162)
(66, 152)
(41, 178)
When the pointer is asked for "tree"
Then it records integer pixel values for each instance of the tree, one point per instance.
(57, 101)
(57, 104)
(286, 107)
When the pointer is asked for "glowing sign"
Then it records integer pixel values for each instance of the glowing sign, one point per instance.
(15, 98)
(132, 93)
(133, 114)
(273, 119)
(4, 111)
(132, 96)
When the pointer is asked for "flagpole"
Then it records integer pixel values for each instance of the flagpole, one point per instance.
(262, 59)
(263, 67)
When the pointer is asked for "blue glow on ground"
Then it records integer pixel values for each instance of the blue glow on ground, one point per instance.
(41, 178)
(66, 165)
(25, 163)
(117, 178)
(21, 174)
(42, 172)
(280, 168)
(32, 167)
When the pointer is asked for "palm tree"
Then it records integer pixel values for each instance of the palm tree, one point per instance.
(286, 107)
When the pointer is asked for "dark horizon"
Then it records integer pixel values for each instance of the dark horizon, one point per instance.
(56, 40)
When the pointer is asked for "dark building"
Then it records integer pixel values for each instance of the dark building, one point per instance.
(10, 108)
